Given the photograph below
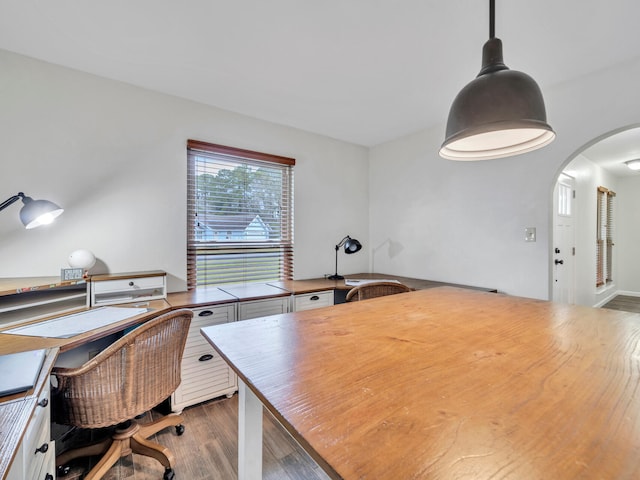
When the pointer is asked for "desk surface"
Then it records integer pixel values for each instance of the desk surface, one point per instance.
(318, 284)
(10, 286)
(449, 383)
(20, 343)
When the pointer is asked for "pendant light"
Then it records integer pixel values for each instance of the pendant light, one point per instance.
(498, 114)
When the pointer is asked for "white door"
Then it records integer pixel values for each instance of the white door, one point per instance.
(563, 254)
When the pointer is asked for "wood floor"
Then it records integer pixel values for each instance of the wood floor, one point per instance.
(206, 450)
(625, 303)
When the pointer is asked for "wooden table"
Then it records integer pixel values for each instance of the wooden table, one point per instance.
(444, 383)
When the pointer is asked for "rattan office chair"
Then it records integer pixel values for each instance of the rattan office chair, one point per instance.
(134, 374)
(375, 289)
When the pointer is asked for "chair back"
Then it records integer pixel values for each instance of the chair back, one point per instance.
(134, 374)
(376, 289)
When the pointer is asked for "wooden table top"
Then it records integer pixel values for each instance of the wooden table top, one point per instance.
(319, 284)
(449, 383)
(11, 286)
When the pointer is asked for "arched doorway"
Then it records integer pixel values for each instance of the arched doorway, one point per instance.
(599, 163)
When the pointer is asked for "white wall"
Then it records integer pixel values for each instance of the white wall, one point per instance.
(588, 177)
(114, 156)
(628, 234)
(464, 221)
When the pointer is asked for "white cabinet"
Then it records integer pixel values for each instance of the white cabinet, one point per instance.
(35, 458)
(262, 308)
(205, 375)
(308, 301)
(132, 287)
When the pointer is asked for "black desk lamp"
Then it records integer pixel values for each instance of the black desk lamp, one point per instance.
(34, 212)
(351, 245)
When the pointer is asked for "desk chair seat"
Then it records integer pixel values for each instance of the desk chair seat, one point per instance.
(376, 289)
(131, 376)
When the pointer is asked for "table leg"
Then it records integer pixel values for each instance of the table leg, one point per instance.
(249, 434)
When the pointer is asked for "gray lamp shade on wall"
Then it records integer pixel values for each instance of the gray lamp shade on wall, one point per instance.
(498, 114)
(34, 213)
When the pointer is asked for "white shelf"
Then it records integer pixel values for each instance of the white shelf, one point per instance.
(40, 300)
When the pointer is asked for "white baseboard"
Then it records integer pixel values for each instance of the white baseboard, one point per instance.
(614, 294)
(628, 293)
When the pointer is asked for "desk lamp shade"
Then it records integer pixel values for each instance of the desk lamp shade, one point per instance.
(498, 114)
(351, 245)
(34, 213)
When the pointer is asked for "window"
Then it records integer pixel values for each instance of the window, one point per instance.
(565, 193)
(240, 215)
(604, 236)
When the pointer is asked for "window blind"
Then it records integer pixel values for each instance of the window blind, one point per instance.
(604, 236)
(240, 215)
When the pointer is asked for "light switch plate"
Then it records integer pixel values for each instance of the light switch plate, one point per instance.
(530, 234)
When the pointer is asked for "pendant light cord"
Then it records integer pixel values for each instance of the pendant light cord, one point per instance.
(492, 18)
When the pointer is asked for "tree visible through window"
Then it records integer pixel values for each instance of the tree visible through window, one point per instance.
(240, 211)
(604, 236)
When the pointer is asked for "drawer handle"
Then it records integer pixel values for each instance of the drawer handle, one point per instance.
(205, 313)
(48, 476)
(131, 284)
(44, 402)
(205, 357)
(314, 298)
(43, 448)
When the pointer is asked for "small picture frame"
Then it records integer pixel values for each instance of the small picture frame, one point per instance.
(71, 274)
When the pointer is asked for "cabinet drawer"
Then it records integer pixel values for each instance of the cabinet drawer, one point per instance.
(128, 284)
(37, 453)
(48, 468)
(308, 301)
(38, 429)
(262, 308)
(125, 290)
(40, 461)
(202, 380)
(204, 317)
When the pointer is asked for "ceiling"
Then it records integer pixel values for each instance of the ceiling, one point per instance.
(611, 152)
(363, 71)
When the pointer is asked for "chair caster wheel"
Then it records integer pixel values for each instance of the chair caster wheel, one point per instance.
(169, 474)
(63, 470)
(180, 429)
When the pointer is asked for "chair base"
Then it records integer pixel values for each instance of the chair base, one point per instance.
(124, 441)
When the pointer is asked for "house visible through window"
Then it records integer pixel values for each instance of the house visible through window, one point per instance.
(240, 215)
(604, 236)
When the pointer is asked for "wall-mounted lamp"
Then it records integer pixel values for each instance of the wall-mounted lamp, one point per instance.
(34, 212)
(633, 164)
(351, 245)
(498, 114)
